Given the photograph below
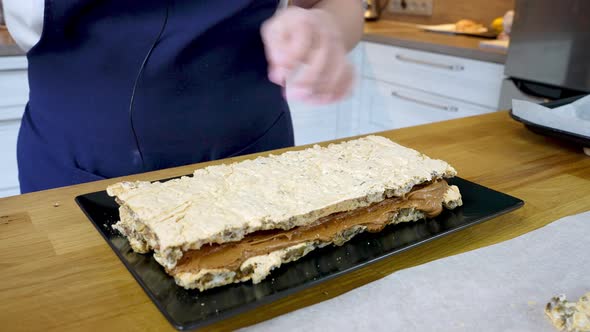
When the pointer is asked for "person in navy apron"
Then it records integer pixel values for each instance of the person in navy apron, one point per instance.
(124, 87)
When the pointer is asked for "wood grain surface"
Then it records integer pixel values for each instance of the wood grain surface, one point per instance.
(57, 273)
(408, 35)
(450, 11)
(8, 46)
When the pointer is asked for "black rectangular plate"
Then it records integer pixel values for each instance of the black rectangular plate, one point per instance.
(581, 140)
(192, 309)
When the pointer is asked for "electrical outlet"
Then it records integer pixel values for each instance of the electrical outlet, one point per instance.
(411, 7)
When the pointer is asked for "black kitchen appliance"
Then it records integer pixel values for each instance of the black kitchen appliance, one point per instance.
(562, 134)
(549, 54)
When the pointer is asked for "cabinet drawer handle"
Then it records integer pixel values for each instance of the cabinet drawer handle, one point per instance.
(8, 116)
(429, 63)
(448, 108)
(9, 120)
(21, 105)
(13, 70)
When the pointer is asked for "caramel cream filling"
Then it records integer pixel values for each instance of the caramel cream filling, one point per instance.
(426, 198)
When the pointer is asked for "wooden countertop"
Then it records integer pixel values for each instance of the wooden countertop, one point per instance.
(382, 31)
(8, 46)
(408, 35)
(58, 273)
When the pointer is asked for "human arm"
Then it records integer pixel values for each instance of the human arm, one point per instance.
(306, 47)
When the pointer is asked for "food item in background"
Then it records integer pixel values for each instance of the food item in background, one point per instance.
(569, 316)
(469, 26)
(498, 25)
(236, 222)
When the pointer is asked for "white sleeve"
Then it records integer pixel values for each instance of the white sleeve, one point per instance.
(24, 20)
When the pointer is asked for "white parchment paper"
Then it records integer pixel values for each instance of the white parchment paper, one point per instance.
(573, 118)
(503, 287)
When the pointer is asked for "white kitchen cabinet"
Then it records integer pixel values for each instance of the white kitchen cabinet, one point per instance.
(9, 192)
(389, 106)
(473, 81)
(14, 89)
(14, 94)
(313, 124)
(8, 166)
(399, 87)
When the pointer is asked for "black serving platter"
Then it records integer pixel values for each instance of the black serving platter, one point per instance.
(581, 140)
(193, 309)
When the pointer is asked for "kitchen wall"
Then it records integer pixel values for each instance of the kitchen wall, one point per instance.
(448, 11)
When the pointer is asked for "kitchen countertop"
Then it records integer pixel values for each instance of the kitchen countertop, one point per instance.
(384, 32)
(8, 47)
(58, 273)
(409, 36)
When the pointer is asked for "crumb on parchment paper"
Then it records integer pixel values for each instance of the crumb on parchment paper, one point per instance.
(569, 316)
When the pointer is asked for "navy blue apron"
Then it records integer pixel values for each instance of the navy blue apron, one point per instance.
(203, 93)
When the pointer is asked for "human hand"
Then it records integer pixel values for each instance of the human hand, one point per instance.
(307, 55)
